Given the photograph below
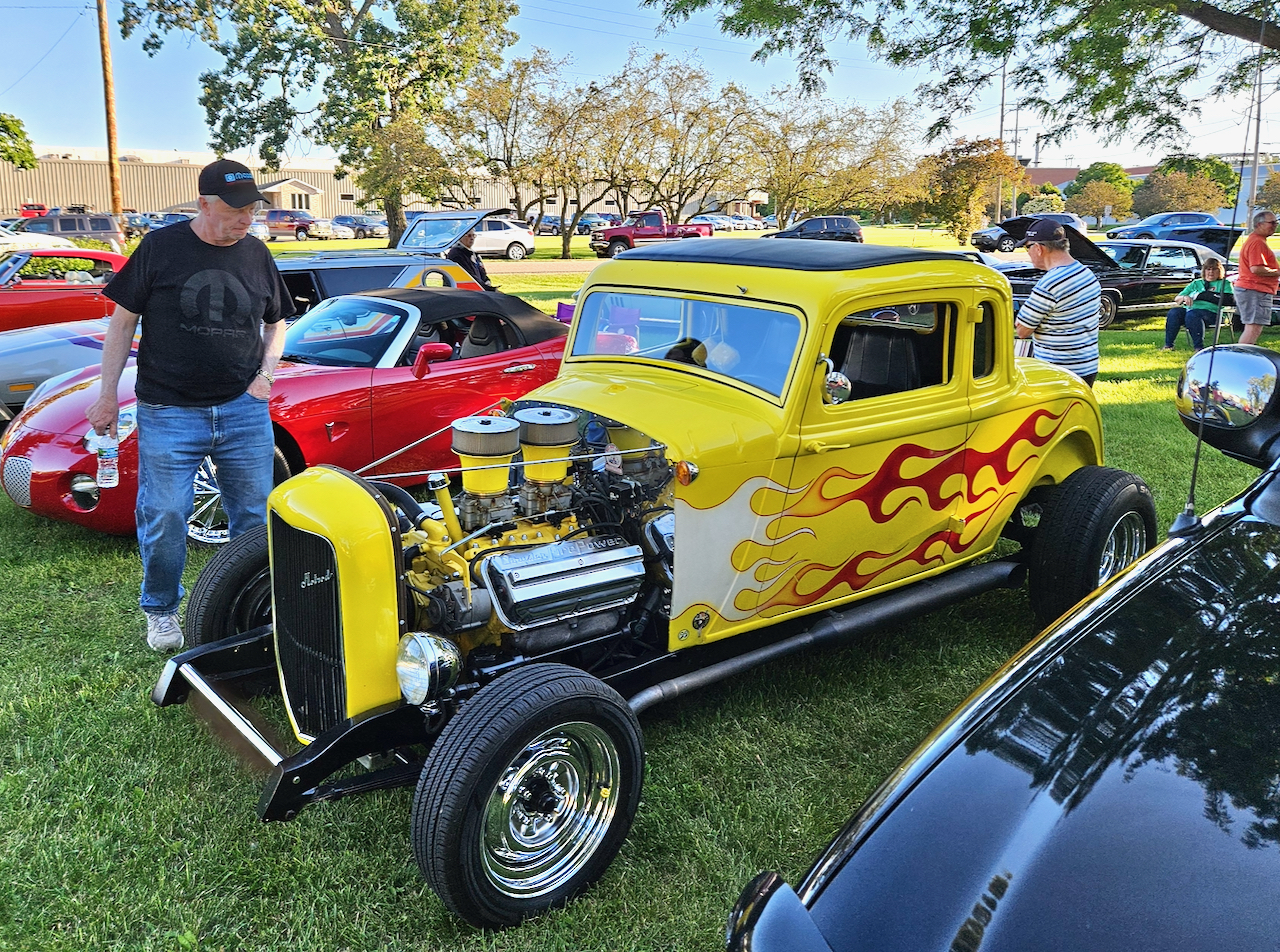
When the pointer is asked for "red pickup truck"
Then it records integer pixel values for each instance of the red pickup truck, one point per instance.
(642, 228)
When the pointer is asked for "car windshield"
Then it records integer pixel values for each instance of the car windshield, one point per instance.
(345, 332)
(1126, 256)
(753, 345)
(437, 232)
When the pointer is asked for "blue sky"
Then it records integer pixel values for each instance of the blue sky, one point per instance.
(50, 77)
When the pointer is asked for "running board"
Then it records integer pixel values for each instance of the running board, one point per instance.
(837, 626)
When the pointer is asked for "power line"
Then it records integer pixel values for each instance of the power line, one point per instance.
(49, 50)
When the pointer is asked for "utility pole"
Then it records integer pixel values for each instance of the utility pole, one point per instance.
(109, 93)
(1000, 181)
(1257, 136)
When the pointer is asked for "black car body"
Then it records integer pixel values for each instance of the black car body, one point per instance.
(1136, 276)
(364, 226)
(829, 227)
(1116, 786)
(997, 238)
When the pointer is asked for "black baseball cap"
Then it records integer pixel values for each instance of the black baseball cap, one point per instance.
(1042, 230)
(231, 182)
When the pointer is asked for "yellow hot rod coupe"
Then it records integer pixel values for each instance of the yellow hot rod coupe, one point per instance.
(751, 448)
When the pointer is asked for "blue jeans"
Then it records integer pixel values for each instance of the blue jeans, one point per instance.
(172, 443)
(1192, 317)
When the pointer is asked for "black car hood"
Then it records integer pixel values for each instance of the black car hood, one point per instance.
(1126, 796)
(1082, 249)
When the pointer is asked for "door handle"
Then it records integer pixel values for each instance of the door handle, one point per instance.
(518, 369)
(817, 446)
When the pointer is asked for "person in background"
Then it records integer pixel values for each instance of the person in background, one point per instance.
(1197, 303)
(1258, 278)
(213, 305)
(1061, 315)
(461, 254)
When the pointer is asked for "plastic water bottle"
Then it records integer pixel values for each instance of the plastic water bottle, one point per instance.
(108, 461)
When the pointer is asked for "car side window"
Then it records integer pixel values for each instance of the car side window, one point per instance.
(68, 224)
(99, 224)
(895, 348)
(984, 351)
(350, 280)
(303, 290)
(1181, 258)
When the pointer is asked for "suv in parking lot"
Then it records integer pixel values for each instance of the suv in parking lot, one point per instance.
(296, 223)
(97, 226)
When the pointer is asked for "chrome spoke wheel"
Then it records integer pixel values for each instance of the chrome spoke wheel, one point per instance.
(550, 810)
(1126, 541)
(208, 522)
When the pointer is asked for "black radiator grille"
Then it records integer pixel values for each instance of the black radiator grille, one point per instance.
(308, 626)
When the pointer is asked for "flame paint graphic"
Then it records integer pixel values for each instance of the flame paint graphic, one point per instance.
(773, 570)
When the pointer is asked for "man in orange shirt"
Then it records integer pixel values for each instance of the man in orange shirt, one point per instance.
(1256, 284)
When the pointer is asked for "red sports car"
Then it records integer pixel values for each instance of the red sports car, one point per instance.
(53, 285)
(377, 376)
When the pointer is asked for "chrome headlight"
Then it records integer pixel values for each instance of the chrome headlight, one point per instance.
(126, 423)
(427, 666)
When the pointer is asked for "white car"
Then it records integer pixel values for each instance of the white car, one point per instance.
(343, 231)
(748, 223)
(13, 241)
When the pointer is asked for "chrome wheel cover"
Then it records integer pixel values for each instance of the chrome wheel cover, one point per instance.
(550, 810)
(1126, 542)
(208, 522)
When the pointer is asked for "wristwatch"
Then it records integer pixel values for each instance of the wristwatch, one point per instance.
(269, 378)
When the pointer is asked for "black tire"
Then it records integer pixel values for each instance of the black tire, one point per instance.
(1145, 234)
(233, 591)
(546, 731)
(1108, 310)
(302, 234)
(208, 522)
(616, 248)
(359, 234)
(1006, 243)
(515, 251)
(1096, 523)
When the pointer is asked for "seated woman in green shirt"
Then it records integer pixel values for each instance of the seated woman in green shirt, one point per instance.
(1198, 303)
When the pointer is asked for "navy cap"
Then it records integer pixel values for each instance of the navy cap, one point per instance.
(231, 182)
(1042, 230)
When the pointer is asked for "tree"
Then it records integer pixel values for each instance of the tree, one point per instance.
(960, 179)
(367, 79)
(1210, 167)
(1108, 172)
(15, 147)
(1040, 203)
(509, 109)
(1098, 199)
(1177, 191)
(1268, 195)
(1121, 67)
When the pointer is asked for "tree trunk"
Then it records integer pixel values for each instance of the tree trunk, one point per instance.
(393, 205)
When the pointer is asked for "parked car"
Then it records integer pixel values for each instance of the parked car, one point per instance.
(1159, 226)
(296, 223)
(135, 225)
(591, 220)
(832, 437)
(259, 230)
(99, 227)
(996, 238)
(49, 285)
(712, 220)
(642, 229)
(1137, 277)
(830, 227)
(15, 240)
(749, 223)
(32, 210)
(164, 219)
(342, 232)
(355, 385)
(1114, 786)
(496, 234)
(33, 355)
(547, 225)
(363, 226)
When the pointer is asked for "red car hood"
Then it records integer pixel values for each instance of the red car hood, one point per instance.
(64, 409)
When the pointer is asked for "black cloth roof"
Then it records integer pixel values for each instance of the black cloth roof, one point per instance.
(442, 304)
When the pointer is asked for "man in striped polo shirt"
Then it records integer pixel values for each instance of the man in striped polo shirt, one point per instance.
(1061, 315)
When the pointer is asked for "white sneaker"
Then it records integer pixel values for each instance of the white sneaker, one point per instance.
(164, 632)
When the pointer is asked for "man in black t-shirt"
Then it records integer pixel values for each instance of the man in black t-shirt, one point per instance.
(212, 305)
(461, 254)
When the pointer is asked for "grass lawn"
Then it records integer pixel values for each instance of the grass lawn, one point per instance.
(126, 827)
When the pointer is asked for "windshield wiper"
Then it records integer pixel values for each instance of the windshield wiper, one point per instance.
(300, 358)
